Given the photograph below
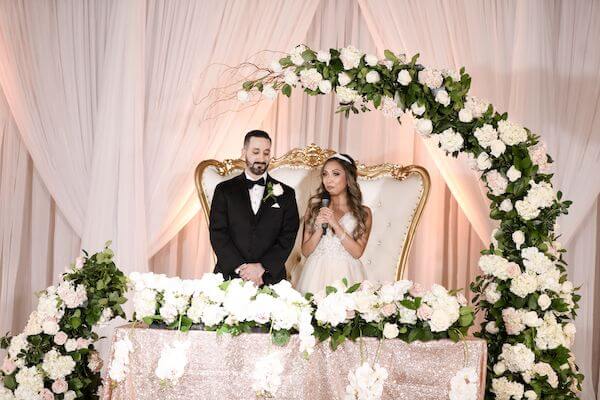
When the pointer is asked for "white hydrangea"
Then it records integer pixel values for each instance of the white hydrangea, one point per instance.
(496, 182)
(550, 334)
(541, 194)
(446, 309)
(267, 375)
(350, 57)
(492, 264)
(539, 157)
(72, 296)
(347, 95)
(507, 390)
(432, 78)
(389, 108)
(486, 135)
(18, 344)
(451, 141)
(56, 365)
(476, 106)
(332, 309)
(524, 284)
(513, 320)
(30, 381)
(269, 92)
(526, 209)
(545, 369)
(290, 77)
(510, 133)
(536, 261)
(366, 382)
(464, 385)
(310, 78)
(172, 361)
(518, 358)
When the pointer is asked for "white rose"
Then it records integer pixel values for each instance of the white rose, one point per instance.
(296, 55)
(530, 395)
(524, 284)
(324, 56)
(465, 115)
(499, 368)
(513, 174)
(71, 345)
(276, 67)
(277, 189)
(50, 327)
(424, 126)
(290, 77)
(506, 205)
(371, 60)
(497, 148)
(526, 210)
(372, 77)
(343, 79)
(492, 328)
(417, 109)
(483, 161)
(70, 395)
(496, 182)
(531, 319)
(310, 78)
(269, 92)
(544, 301)
(404, 78)
(325, 86)
(390, 331)
(442, 97)
(491, 293)
(519, 238)
(243, 96)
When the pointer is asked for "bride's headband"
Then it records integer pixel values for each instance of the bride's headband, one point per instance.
(342, 157)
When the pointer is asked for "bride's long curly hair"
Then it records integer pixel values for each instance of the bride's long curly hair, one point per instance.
(355, 199)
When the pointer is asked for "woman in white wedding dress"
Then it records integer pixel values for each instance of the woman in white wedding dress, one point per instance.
(333, 253)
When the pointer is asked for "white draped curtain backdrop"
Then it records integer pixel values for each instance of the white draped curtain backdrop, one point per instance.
(101, 126)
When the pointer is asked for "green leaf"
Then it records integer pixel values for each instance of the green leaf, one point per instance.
(286, 90)
(247, 85)
(329, 290)
(336, 339)
(390, 56)
(353, 288)
(466, 320)
(10, 382)
(280, 337)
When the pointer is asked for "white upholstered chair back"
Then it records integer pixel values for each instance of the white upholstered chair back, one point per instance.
(396, 196)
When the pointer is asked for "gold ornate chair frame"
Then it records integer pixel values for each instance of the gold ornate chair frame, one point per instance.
(313, 157)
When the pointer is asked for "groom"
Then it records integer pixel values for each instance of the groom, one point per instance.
(253, 219)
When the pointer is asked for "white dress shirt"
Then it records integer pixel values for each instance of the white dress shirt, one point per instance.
(256, 193)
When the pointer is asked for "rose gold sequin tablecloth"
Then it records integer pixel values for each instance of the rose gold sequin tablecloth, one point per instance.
(221, 367)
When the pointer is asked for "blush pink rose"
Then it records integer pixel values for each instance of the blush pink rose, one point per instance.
(47, 394)
(416, 290)
(60, 338)
(424, 312)
(83, 343)
(60, 386)
(513, 270)
(8, 366)
(388, 310)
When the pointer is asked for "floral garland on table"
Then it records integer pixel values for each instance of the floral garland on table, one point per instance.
(342, 311)
(527, 301)
(54, 357)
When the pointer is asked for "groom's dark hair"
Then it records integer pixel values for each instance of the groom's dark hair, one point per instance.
(256, 133)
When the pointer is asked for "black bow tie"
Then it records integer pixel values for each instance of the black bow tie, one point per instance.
(250, 183)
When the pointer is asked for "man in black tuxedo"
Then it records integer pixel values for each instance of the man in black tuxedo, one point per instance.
(253, 219)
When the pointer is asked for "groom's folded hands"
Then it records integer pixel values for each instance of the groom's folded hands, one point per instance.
(252, 272)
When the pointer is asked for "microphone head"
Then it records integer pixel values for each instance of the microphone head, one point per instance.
(325, 198)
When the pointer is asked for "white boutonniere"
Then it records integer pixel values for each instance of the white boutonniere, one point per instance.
(273, 191)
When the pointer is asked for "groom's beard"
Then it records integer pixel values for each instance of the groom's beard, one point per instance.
(257, 168)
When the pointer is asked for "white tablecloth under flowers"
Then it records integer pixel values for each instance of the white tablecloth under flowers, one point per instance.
(226, 367)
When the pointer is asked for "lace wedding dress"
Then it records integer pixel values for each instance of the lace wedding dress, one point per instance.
(330, 261)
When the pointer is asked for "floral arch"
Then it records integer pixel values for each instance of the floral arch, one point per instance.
(524, 294)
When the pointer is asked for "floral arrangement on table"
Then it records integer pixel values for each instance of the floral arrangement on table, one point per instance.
(342, 311)
(54, 357)
(524, 293)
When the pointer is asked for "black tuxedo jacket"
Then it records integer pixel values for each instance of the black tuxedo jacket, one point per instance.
(238, 236)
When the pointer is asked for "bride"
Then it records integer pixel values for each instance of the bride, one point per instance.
(335, 236)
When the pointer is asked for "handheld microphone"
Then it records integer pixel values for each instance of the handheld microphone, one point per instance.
(325, 199)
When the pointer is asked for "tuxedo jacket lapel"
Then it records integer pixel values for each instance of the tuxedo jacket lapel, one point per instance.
(265, 203)
(245, 196)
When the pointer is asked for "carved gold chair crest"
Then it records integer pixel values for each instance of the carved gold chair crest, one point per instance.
(395, 194)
